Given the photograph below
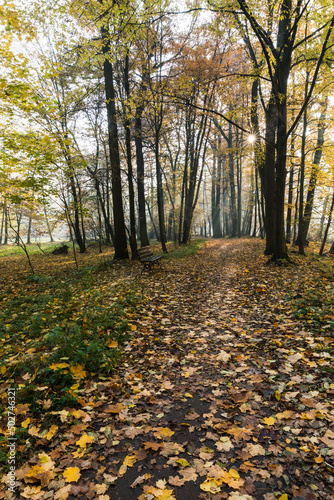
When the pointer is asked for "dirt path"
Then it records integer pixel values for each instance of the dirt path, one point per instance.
(221, 396)
(222, 393)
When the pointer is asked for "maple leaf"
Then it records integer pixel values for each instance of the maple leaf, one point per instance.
(52, 431)
(38, 473)
(224, 443)
(84, 440)
(240, 433)
(128, 462)
(189, 474)
(25, 423)
(32, 492)
(254, 449)
(72, 474)
(34, 431)
(140, 480)
(211, 485)
(176, 481)
(117, 408)
(100, 488)
(239, 496)
(63, 493)
(293, 358)
(78, 371)
(269, 420)
(163, 432)
(152, 446)
(328, 439)
(156, 493)
(223, 356)
(169, 448)
(285, 414)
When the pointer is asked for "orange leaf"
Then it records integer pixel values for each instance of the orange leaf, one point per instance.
(72, 474)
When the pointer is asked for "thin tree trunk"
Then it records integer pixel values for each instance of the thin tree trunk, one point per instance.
(127, 125)
(234, 216)
(323, 215)
(300, 239)
(314, 172)
(140, 177)
(327, 227)
(29, 231)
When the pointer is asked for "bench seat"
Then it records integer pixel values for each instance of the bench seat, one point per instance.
(147, 258)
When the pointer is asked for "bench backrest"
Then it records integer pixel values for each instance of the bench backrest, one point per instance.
(144, 252)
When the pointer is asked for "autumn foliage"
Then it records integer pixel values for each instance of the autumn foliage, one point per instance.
(223, 390)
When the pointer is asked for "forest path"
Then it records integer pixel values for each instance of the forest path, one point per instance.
(221, 395)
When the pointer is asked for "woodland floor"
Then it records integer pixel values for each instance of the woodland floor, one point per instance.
(222, 393)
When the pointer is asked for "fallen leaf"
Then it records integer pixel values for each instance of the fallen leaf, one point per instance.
(163, 432)
(84, 440)
(224, 356)
(72, 474)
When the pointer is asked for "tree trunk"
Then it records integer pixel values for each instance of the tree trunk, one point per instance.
(323, 215)
(268, 177)
(127, 126)
(234, 216)
(314, 172)
(121, 251)
(327, 227)
(2, 223)
(29, 231)
(300, 239)
(290, 205)
(140, 179)
(216, 192)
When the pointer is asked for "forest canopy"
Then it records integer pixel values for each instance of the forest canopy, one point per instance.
(126, 121)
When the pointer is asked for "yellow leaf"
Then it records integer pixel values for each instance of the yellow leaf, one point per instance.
(46, 461)
(283, 497)
(162, 432)
(210, 485)
(84, 440)
(188, 395)
(234, 473)
(34, 431)
(278, 396)
(269, 420)
(58, 366)
(25, 423)
(113, 343)
(129, 460)
(34, 471)
(182, 462)
(100, 489)
(78, 371)
(72, 474)
(52, 431)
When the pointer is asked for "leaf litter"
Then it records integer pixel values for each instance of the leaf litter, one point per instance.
(225, 391)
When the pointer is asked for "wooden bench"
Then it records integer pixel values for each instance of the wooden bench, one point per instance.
(147, 258)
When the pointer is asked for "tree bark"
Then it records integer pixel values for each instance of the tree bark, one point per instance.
(314, 172)
(121, 251)
(327, 227)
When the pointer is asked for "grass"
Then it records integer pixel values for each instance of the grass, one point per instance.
(62, 327)
(11, 249)
(181, 251)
